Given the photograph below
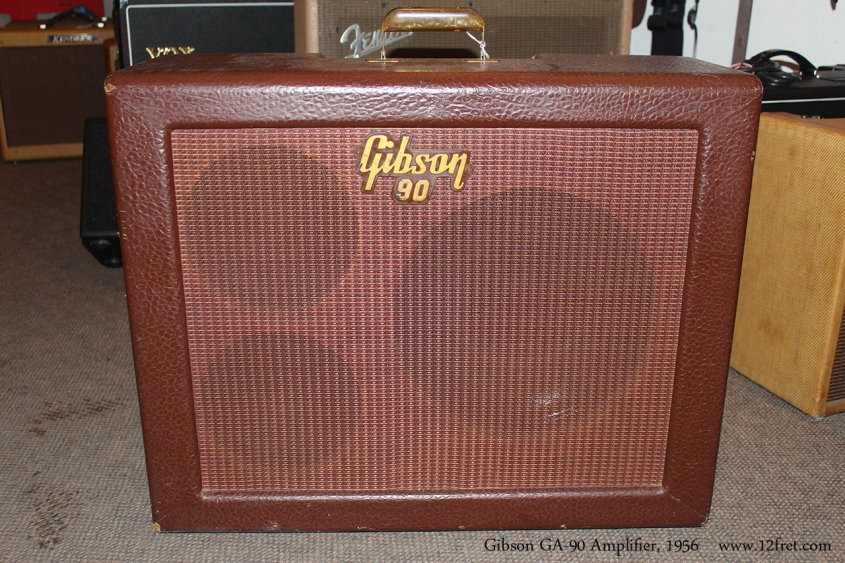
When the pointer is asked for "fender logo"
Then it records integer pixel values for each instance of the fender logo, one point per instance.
(415, 171)
(363, 43)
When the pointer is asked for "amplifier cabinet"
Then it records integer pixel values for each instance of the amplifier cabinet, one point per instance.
(789, 335)
(352, 28)
(51, 81)
(431, 294)
(155, 28)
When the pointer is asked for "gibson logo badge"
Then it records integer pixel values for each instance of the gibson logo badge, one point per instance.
(415, 171)
(361, 43)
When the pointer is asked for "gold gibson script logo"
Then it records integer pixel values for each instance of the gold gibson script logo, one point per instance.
(415, 171)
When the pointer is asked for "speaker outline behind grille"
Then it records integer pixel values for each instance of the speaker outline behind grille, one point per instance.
(323, 382)
(552, 406)
(230, 170)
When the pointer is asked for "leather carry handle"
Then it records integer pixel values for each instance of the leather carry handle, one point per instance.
(771, 74)
(434, 19)
(805, 67)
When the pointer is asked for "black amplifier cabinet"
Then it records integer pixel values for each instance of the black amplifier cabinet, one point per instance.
(150, 29)
(820, 96)
(98, 217)
(153, 28)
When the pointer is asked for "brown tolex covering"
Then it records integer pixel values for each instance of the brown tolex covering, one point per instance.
(208, 340)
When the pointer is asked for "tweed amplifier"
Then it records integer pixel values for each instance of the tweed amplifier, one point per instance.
(789, 336)
(51, 81)
(431, 294)
(352, 28)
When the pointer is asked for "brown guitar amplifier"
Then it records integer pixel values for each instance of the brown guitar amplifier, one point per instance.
(51, 81)
(789, 336)
(352, 28)
(431, 294)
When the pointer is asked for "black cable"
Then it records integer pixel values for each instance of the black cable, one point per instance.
(693, 13)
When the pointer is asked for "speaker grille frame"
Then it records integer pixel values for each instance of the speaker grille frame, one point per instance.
(289, 91)
(570, 355)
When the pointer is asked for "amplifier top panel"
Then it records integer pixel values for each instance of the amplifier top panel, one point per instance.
(622, 90)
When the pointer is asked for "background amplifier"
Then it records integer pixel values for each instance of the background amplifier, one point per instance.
(350, 28)
(51, 81)
(153, 28)
(789, 336)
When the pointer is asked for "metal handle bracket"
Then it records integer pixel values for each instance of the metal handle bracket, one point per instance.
(435, 19)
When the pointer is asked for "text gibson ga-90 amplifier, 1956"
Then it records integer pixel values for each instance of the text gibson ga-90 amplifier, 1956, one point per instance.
(431, 294)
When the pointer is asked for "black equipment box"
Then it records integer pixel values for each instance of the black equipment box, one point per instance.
(815, 97)
(98, 217)
(811, 91)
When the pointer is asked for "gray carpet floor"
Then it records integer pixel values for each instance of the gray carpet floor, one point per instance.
(72, 478)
